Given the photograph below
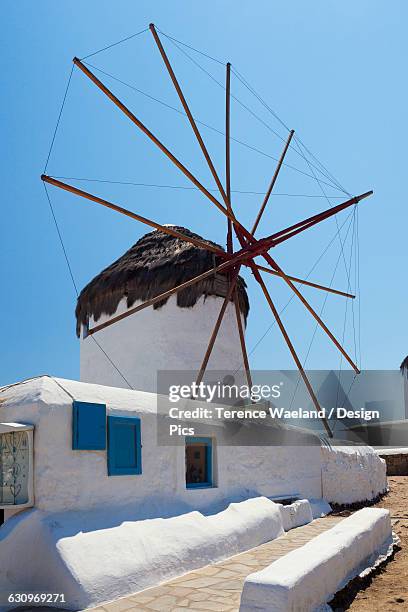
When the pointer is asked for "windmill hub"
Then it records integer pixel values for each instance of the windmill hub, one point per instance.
(171, 334)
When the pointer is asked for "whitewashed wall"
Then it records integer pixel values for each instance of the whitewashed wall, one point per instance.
(167, 338)
(65, 479)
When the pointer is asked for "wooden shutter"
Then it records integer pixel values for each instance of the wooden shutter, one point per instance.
(88, 426)
(124, 446)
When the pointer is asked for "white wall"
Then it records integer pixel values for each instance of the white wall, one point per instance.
(352, 474)
(169, 338)
(65, 479)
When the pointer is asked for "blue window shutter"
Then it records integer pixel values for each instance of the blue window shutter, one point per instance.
(88, 426)
(124, 446)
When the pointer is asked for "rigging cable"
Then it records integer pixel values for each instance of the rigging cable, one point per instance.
(246, 84)
(326, 172)
(57, 226)
(75, 285)
(206, 125)
(59, 118)
(187, 187)
(337, 225)
(321, 312)
(115, 43)
(293, 296)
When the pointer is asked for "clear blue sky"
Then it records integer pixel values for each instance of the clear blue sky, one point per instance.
(334, 71)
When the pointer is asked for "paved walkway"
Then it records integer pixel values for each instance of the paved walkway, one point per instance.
(217, 587)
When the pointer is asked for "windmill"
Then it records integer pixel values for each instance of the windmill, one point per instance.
(248, 246)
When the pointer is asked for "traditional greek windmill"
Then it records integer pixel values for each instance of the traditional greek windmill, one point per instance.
(217, 261)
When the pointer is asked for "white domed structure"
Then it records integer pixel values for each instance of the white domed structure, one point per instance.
(171, 335)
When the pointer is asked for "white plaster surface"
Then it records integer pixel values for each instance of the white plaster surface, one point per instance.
(99, 537)
(67, 480)
(168, 338)
(320, 507)
(352, 474)
(91, 564)
(308, 577)
(296, 514)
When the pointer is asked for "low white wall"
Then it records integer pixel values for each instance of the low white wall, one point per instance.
(296, 514)
(309, 576)
(91, 564)
(352, 474)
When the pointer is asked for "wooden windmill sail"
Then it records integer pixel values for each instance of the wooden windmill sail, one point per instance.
(249, 246)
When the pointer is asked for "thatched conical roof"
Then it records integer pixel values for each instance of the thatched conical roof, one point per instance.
(156, 263)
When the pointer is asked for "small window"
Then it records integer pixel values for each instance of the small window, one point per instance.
(16, 466)
(124, 446)
(199, 463)
(88, 426)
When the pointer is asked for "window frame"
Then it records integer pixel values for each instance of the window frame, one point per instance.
(123, 420)
(208, 442)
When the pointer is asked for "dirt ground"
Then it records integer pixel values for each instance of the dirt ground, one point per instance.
(388, 590)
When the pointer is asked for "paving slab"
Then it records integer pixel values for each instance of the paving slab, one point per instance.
(217, 587)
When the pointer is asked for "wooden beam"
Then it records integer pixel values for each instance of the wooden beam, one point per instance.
(187, 111)
(156, 141)
(290, 346)
(292, 230)
(302, 281)
(163, 228)
(242, 339)
(314, 314)
(227, 299)
(228, 154)
(272, 183)
(274, 265)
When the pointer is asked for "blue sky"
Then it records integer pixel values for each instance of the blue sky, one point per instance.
(333, 71)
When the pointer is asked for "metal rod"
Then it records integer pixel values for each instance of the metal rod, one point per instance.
(272, 183)
(291, 347)
(314, 314)
(164, 296)
(292, 230)
(163, 228)
(228, 154)
(242, 339)
(217, 325)
(308, 283)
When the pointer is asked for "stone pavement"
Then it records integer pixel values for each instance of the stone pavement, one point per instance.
(217, 587)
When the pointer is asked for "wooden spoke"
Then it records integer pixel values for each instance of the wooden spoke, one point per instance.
(228, 154)
(308, 283)
(163, 228)
(272, 183)
(187, 111)
(242, 339)
(292, 230)
(157, 142)
(291, 347)
(227, 299)
(314, 314)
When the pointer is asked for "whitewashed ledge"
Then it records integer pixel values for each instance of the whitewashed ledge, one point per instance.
(308, 577)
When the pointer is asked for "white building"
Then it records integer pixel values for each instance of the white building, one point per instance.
(94, 507)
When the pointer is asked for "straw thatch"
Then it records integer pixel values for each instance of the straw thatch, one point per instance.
(156, 263)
